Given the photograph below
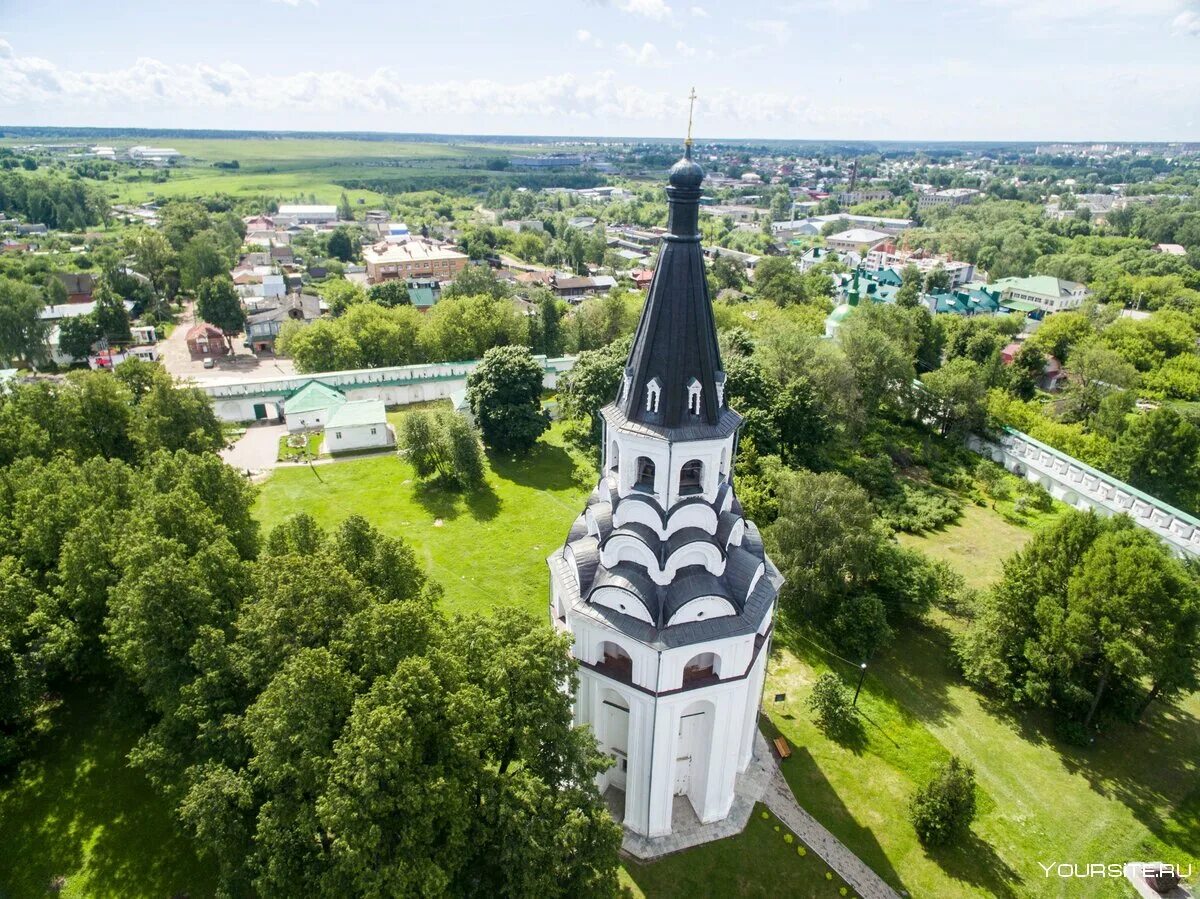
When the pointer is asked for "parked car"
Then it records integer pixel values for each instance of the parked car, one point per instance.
(208, 361)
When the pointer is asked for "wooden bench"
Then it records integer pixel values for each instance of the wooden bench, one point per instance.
(782, 747)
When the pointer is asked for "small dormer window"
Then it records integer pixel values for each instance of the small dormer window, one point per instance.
(653, 394)
(626, 386)
(694, 397)
(720, 388)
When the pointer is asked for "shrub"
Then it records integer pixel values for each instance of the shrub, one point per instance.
(944, 808)
(831, 705)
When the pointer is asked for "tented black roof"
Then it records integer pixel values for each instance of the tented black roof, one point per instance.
(676, 339)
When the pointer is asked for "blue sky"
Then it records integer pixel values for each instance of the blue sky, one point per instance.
(821, 69)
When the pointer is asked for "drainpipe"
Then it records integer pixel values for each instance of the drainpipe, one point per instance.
(653, 737)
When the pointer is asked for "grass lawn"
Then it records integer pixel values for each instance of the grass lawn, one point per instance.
(975, 546)
(760, 861)
(75, 810)
(1134, 796)
(486, 549)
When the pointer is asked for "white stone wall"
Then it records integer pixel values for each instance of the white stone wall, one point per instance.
(1076, 484)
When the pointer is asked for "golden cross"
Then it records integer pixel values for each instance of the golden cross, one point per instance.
(691, 106)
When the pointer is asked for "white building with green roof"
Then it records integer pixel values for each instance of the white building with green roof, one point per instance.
(358, 425)
(310, 407)
(1044, 293)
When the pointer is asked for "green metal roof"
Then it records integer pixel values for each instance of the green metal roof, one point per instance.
(1020, 305)
(841, 312)
(1045, 285)
(313, 397)
(358, 412)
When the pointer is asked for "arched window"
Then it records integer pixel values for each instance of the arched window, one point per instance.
(653, 394)
(614, 457)
(645, 474)
(615, 662)
(724, 463)
(694, 397)
(700, 669)
(691, 478)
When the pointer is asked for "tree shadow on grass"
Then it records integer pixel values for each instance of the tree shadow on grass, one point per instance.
(918, 668)
(974, 861)
(545, 467)
(75, 809)
(1152, 768)
(483, 503)
(438, 498)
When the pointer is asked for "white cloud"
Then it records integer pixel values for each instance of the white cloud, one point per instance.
(684, 50)
(1093, 100)
(647, 55)
(1187, 23)
(651, 9)
(295, 2)
(699, 12)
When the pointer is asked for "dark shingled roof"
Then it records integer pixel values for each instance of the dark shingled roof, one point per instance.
(676, 338)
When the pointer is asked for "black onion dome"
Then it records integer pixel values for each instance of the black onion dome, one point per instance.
(686, 174)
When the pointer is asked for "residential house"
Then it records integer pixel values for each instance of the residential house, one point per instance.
(642, 278)
(79, 286)
(1052, 376)
(267, 318)
(576, 287)
(283, 254)
(424, 293)
(204, 339)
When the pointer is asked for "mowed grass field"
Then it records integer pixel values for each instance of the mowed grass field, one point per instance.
(975, 546)
(1134, 796)
(291, 167)
(486, 549)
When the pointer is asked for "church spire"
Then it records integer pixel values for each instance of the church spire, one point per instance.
(673, 377)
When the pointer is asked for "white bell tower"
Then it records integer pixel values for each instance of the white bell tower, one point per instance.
(662, 583)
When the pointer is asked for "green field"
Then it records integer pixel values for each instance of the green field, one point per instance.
(1134, 796)
(976, 545)
(300, 168)
(486, 549)
(76, 811)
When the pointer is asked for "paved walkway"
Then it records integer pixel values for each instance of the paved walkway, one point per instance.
(866, 883)
(257, 449)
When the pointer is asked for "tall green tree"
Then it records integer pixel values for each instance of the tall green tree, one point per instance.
(22, 330)
(505, 394)
(218, 303)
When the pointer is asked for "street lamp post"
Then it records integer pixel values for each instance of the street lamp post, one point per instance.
(862, 672)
